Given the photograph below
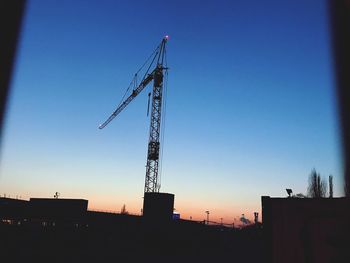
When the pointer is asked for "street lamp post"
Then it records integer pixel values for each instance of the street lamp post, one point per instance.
(207, 212)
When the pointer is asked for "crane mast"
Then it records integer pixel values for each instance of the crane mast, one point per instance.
(151, 182)
(157, 75)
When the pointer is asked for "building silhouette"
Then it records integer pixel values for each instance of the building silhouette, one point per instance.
(306, 229)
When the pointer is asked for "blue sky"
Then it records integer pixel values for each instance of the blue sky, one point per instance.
(250, 106)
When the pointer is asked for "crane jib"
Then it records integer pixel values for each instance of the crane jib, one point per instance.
(134, 93)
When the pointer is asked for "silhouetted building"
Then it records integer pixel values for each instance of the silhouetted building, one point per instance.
(13, 209)
(305, 229)
(43, 210)
(57, 209)
(158, 207)
(63, 230)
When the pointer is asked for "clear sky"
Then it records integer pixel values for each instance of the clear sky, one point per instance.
(251, 108)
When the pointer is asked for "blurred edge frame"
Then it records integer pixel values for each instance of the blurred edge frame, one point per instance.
(340, 25)
(11, 17)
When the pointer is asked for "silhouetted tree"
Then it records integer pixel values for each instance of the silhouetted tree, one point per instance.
(123, 210)
(330, 186)
(317, 187)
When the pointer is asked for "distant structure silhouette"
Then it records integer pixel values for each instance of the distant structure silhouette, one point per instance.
(244, 220)
(289, 192)
(256, 217)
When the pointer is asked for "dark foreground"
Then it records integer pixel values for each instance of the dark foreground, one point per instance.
(122, 238)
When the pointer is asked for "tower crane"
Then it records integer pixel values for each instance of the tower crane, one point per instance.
(158, 61)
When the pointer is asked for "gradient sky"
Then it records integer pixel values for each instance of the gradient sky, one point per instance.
(251, 108)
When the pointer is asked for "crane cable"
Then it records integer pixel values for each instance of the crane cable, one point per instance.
(134, 79)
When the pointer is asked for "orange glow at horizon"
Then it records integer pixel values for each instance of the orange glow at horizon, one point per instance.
(193, 211)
